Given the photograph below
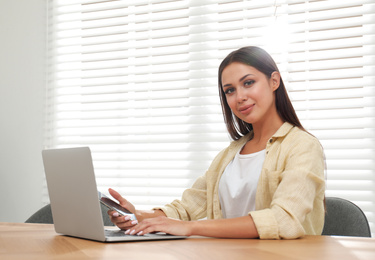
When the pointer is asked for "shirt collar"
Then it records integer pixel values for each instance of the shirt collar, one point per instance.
(283, 130)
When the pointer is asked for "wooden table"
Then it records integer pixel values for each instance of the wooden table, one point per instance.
(39, 241)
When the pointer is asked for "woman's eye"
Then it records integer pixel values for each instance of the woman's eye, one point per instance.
(249, 82)
(229, 91)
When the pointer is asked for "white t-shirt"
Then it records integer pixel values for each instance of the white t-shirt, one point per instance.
(238, 184)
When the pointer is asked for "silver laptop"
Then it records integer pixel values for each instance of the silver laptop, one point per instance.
(74, 198)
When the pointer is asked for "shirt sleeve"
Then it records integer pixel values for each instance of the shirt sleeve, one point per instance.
(295, 188)
(192, 205)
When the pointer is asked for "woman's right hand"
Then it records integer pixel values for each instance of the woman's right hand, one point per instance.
(123, 222)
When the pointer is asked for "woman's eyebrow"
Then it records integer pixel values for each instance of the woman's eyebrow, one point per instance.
(241, 79)
(244, 77)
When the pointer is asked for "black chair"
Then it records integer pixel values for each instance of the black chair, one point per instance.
(344, 218)
(44, 215)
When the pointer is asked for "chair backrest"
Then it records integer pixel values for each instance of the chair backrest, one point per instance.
(344, 218)
(44, 215)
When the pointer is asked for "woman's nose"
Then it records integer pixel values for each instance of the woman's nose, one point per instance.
(241, 95)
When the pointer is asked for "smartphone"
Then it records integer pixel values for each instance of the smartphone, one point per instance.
(112, 205)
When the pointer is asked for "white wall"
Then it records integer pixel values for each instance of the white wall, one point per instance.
(22, 81)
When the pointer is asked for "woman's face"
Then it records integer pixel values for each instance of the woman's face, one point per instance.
(249, 93)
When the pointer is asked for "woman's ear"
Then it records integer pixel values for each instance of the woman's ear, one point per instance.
(275, 80)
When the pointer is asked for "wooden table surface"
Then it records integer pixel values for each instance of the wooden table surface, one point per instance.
(39, 241)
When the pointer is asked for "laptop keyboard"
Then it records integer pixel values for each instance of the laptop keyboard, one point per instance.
(115, 233)
(121, 233)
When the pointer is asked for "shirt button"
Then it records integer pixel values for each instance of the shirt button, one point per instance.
(271, 140)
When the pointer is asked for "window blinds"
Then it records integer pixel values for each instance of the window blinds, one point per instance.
(137, 82)
(330, 68)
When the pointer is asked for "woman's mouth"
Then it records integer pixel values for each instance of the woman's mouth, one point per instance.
(246, 109)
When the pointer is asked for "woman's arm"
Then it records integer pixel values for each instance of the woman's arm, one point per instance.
(242, 227)
(291, 191)
(156, 221)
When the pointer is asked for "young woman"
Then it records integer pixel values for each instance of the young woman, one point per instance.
(269, 182)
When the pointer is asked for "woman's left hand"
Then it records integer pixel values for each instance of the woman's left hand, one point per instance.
(161, 224)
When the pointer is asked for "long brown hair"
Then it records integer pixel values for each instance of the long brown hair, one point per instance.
(262, 61)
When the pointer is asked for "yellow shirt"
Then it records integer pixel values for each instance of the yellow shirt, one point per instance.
(290, 194)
